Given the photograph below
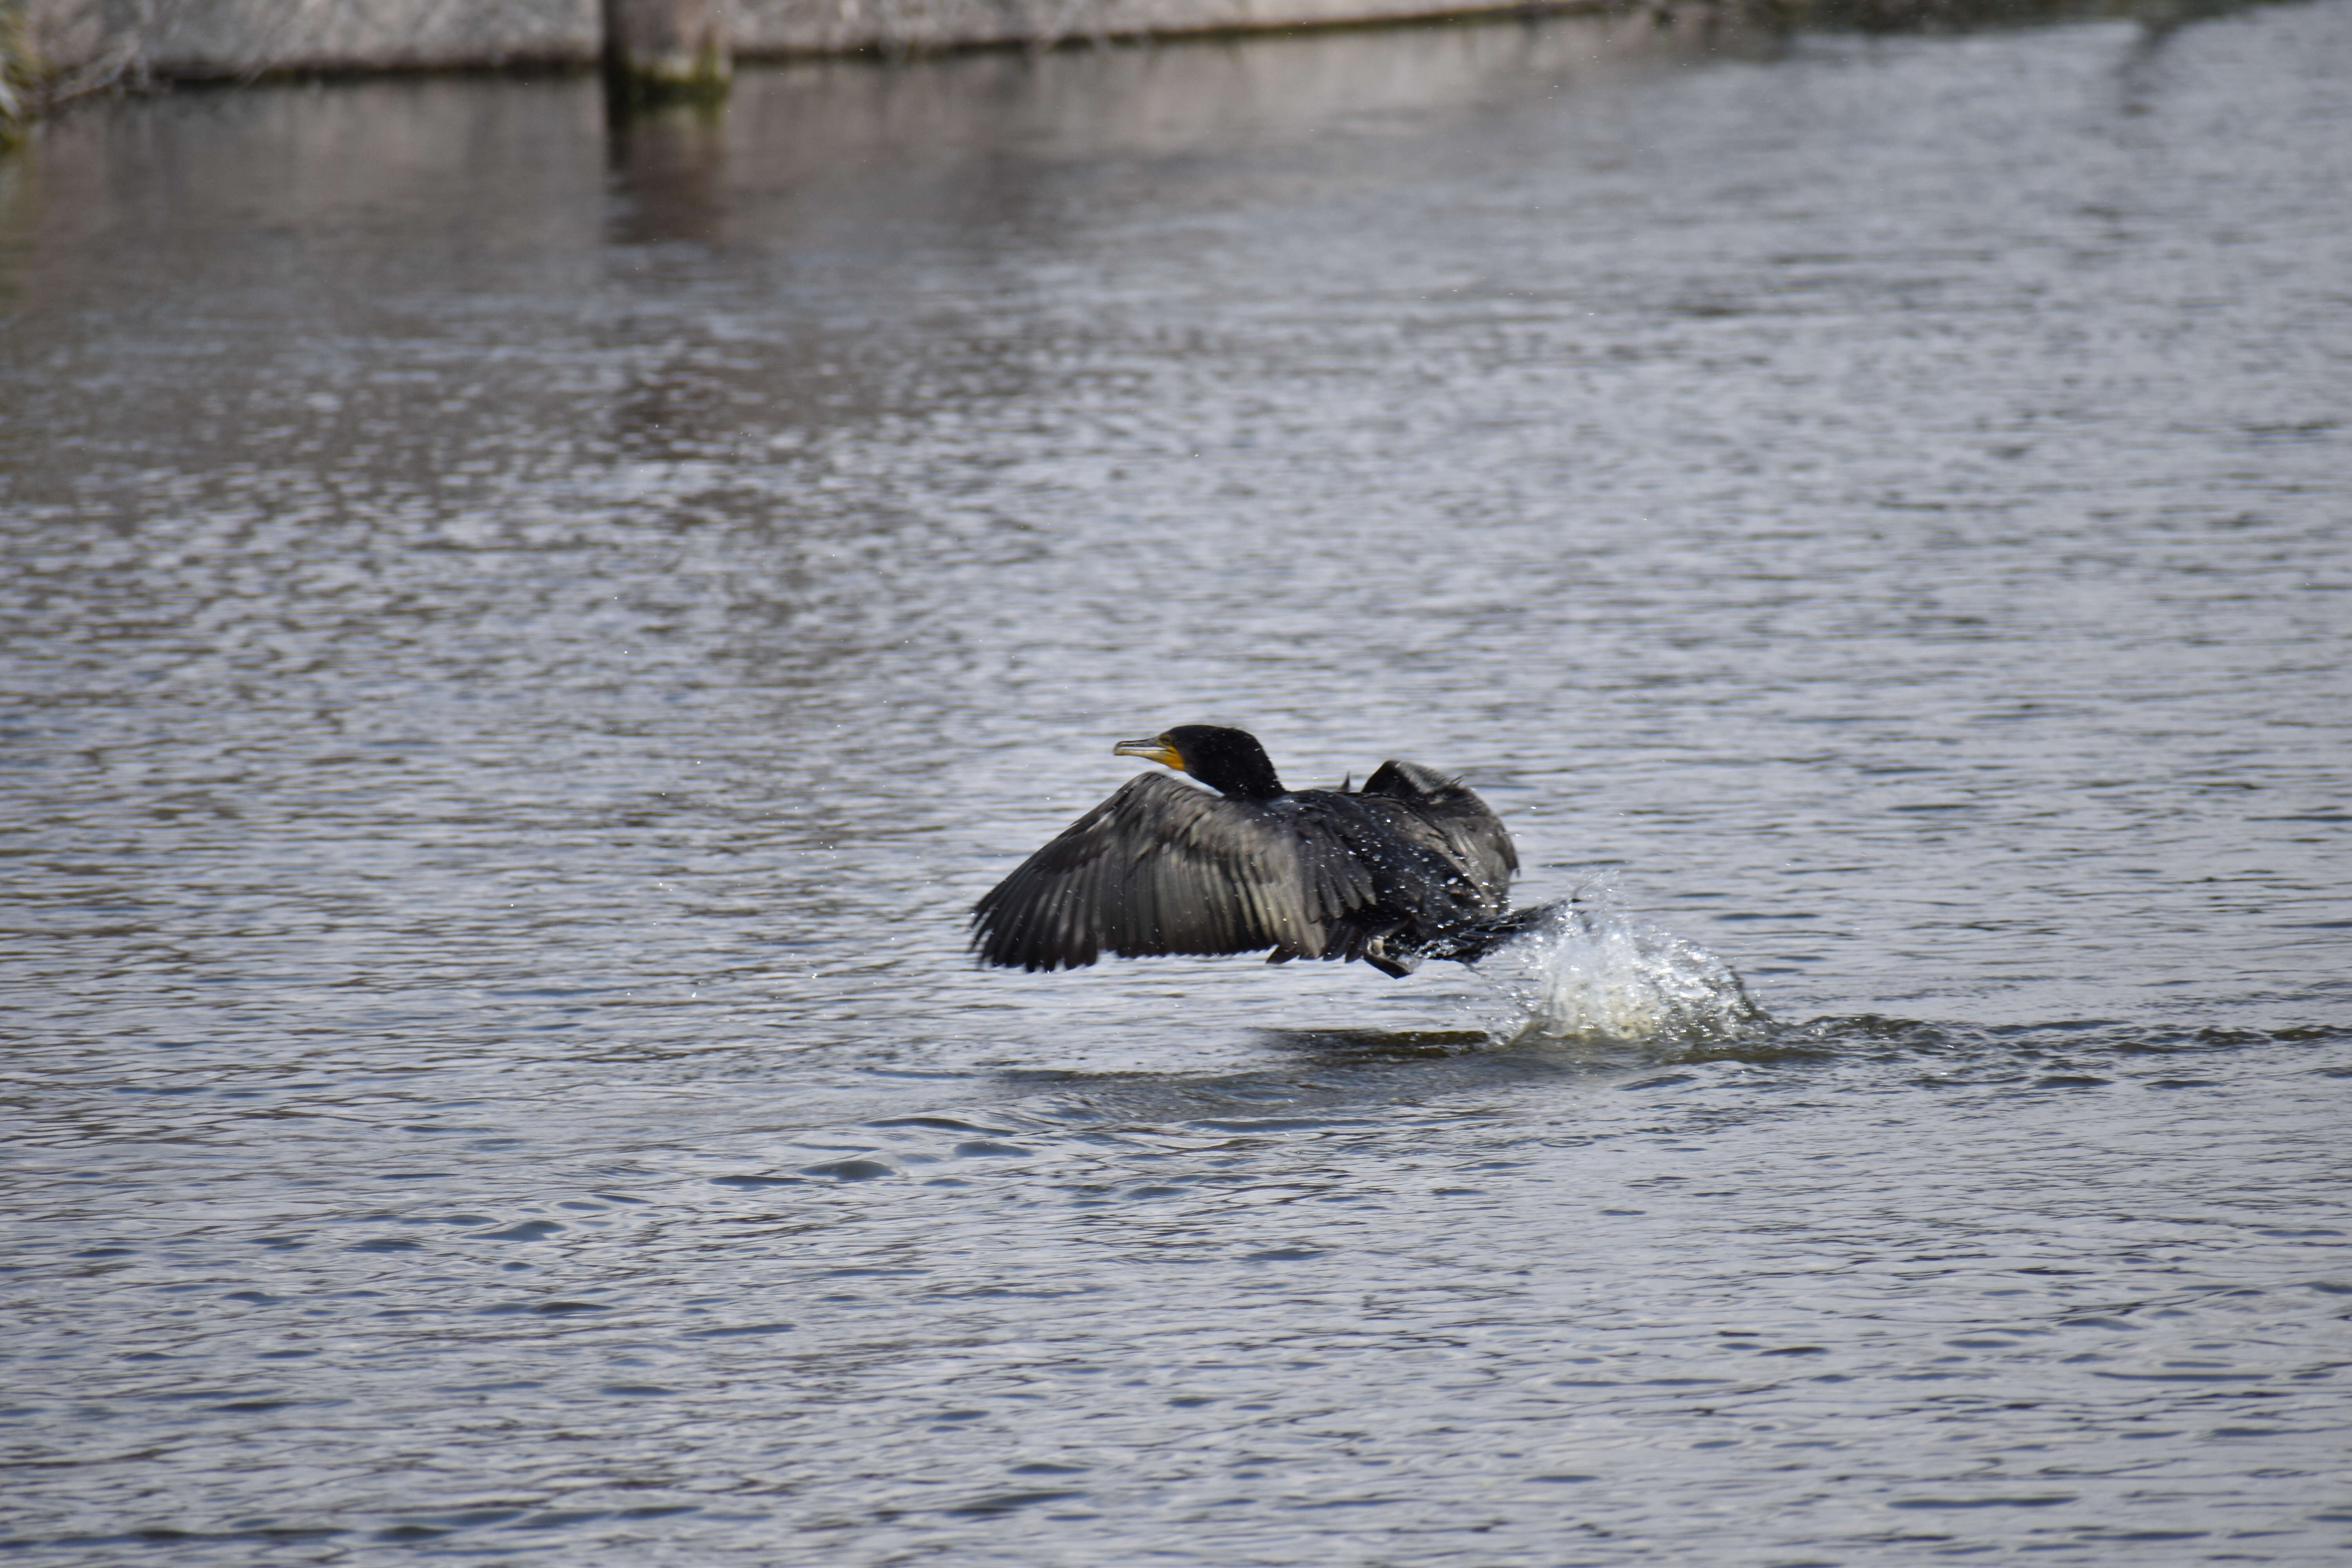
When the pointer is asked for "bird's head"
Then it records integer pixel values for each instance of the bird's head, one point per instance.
(1228, 761)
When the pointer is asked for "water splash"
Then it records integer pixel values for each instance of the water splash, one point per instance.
(1594, 970)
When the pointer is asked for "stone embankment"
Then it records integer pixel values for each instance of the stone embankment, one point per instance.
(196, 39)
(55, 49)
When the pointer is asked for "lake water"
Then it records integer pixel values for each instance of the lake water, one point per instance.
(521, 649)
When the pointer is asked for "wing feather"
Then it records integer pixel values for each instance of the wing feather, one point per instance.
(1442, 814)
(1162, 868)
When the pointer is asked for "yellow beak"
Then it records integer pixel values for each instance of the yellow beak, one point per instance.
(1155, 749)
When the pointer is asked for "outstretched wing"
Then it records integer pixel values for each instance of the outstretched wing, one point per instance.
(1160, 868)
(1447, 816)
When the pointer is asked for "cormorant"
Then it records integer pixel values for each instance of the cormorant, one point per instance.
(1411, 866)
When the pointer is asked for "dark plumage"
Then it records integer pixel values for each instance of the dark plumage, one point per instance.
(1410, 865)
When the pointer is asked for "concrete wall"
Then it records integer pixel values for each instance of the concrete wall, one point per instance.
(797, 26)
(106, 40)
(136, 39)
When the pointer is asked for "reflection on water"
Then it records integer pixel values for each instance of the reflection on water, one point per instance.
(521, 649)
(670, 176)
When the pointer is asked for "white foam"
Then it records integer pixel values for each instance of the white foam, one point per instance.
(1594, 971)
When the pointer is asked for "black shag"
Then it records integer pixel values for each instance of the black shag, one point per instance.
(1411, 866)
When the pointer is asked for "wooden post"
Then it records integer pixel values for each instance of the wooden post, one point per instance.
(20, 76)
(665, 50)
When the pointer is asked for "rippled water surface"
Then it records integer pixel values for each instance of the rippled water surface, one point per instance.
(521, 646)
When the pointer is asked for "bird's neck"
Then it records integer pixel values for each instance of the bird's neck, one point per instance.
(1247, 781)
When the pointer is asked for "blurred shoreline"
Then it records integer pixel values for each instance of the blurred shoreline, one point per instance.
(54, 51)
